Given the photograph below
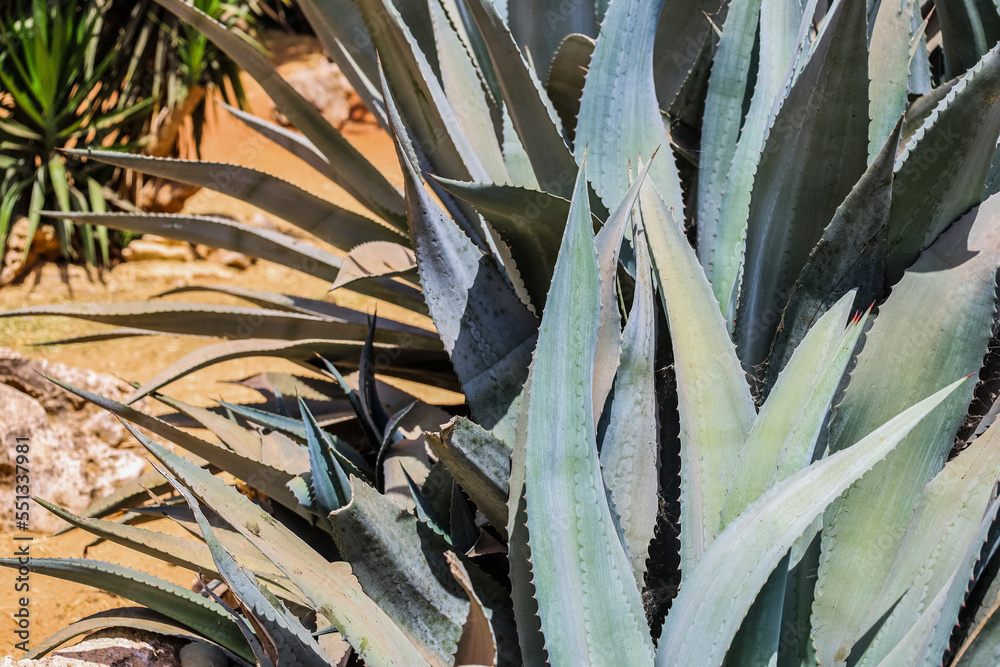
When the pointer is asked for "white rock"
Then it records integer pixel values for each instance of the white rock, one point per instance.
(74, 453)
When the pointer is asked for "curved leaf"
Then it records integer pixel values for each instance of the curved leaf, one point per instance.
(714, 403)
(200, 614)
(333, 224)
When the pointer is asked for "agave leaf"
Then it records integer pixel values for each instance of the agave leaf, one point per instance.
(630, 449)
(479, 462)
(942, 171)
(330, 484)
(849, 255)
(590, 611)
(290, 643)
(723, 116)
(967, 32)
(331, 223)
(353, 172)
(943, 531)
(290, 140)
(375, 259)
(244, 441)
(478, 644)
(182, 605)
(330, 587)
(619, 114)
(783, 439)
(402, 568)
(138, 618)
(889, 69)
(714, 403)
(270, 479)
(780, 40)
(488, 332)
(929, 636)
(716, 594)
(420, 100)
(609, 334)
(262, 243)
(950, 290)
(815, 151)
(218, 321)
(298, 350)
(178, 551)
(466, 89)
(533, 118)
(567, 75)
(684, 27)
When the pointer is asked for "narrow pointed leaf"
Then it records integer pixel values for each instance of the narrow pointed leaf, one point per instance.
(479, 462)
(630, 450)
(176, 602)
(331, 587)
(714, 402)
(589, 607)
(942, 172)
(290, 642)
(849, 255)
(783, 438)
(533, 119)
(333, 224)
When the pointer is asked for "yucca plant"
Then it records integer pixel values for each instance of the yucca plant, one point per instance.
(847, 238)
(61, 85)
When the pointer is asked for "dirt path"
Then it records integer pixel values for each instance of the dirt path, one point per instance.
(56, 603)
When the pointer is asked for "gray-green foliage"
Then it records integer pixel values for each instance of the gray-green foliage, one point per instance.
(809, 385)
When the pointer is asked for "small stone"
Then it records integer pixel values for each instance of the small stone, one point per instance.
(324, 85)
(231, 258)
(142, 249)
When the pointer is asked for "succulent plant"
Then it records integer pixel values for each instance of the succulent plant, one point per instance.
(747, 397)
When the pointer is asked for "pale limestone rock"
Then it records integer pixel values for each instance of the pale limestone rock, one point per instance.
(76, 453)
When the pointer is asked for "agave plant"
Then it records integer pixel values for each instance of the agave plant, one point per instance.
(799, 412)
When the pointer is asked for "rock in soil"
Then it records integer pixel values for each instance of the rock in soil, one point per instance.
(76, 451)
(117, 647)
